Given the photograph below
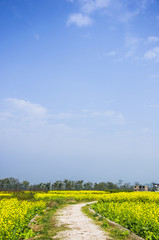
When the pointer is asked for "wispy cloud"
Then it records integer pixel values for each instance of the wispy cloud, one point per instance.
(109, 113)
(25, 111)
(79, 20)
(120, 10)
(126, 11)
(152, 39)
(152, 54)
(28, 108)
(146, 130)
(127, 16)
(110, 117)
(89, 6)
(132, 43)
(111, 53)
(65, 115)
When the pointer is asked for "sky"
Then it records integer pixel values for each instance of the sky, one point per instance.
(79, 90)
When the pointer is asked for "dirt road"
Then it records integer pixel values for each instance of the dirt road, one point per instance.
(80, 226)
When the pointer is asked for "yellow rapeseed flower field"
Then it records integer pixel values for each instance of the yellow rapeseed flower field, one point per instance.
(138, 211)
(77, 195)
(15, 216)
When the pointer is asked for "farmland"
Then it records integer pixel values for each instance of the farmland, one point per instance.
(137, 211)
(15, 216)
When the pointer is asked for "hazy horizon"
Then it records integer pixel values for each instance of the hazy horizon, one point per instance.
(79, 90)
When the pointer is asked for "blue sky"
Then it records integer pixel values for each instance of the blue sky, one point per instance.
(79, 84)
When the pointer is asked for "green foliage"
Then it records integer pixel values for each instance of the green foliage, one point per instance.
(136, 211)
(47, 223)
(29, 234)
(117, 190)
(15, 216)
(118, 234)
(23, 195)
(112, 231)
(105, 224)
(13, 184)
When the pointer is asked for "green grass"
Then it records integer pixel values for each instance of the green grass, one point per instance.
(45, 226)
(113, 231)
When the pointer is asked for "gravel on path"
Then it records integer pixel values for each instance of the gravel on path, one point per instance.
(80, 226)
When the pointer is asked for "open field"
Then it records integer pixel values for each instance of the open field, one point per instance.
(137, 211)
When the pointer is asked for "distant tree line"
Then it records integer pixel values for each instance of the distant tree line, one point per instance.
(13, 184)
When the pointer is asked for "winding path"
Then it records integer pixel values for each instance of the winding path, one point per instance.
(80, 227)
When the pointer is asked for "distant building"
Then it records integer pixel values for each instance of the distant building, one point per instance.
(140, 188)
(156, 187)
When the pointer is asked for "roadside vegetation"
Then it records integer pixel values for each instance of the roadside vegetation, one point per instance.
(113, 231)
(138, 212)
(24, 215)
(44, 226)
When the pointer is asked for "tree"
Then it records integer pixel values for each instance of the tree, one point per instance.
(120, 182)
(79, 185)
(88, 186)
(8, 184)
(25, 185)
(47, 186)
(111, 185)
(68, 184)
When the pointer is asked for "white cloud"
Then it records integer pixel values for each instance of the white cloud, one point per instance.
(87, 7)
(126, 10)
(143, 4)
(110, 117)
(79, 20)
(27, 108)
(152, 54)
(111, 53)
(121, 118)
(117, 9)
(90, 6)
(96, 114)
(5, 115)
(65, 115)
(146, 130)
(85, 110)
(116, 118)
(111, 28)
(28, 115)
(152, 39)
(109, 113)
(132, 43)
(127, 16)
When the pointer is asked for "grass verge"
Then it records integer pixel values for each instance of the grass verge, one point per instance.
(113, 232)
(45, 226)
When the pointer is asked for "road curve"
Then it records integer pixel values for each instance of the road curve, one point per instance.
(80, 226)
